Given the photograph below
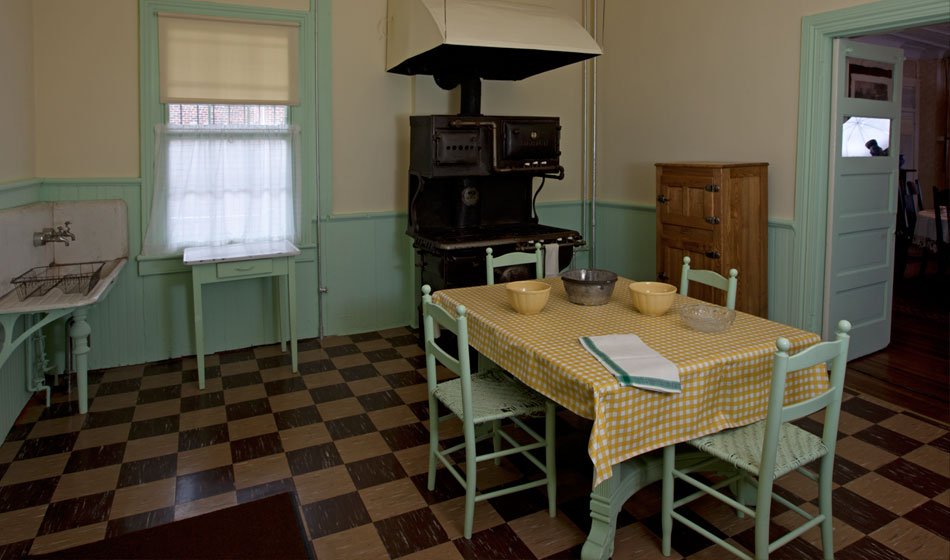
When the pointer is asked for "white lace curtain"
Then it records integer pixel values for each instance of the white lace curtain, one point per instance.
(220, 185)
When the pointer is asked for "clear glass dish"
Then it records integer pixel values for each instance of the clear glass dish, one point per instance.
(706, 317)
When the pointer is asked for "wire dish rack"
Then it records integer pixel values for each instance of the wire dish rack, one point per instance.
(76, 278)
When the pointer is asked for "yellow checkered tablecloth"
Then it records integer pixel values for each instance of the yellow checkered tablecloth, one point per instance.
(725, 376)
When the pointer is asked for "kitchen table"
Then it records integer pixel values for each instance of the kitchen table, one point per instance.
(925, 232)
(724, 376)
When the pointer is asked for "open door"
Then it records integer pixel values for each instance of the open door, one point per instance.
(862, 199)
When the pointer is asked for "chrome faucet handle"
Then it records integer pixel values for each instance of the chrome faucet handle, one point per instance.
(64, 231)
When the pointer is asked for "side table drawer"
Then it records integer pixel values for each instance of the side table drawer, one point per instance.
(245, 268)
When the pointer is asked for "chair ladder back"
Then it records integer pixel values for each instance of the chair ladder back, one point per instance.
(941, 201)
(433, 313)
(915, 193)
(909, 206)
(440, 316)
(513, 258)
(444, 358)
(830, 400)
(729, 285)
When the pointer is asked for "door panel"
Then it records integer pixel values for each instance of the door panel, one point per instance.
(863, 193)
(854, 303)
(689, 201)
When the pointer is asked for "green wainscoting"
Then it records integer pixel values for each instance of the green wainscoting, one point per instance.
(625, 239)
(781, 280)
(13, 393)
(19, 193)
(368, 272)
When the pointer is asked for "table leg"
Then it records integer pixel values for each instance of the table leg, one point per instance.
(79, 333)
(292, 304)
(610, 495)
(281, 292)
(199, 326)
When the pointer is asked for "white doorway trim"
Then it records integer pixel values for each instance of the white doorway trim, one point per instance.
(814, 113)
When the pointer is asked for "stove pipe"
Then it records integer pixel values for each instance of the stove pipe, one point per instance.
(471, 102)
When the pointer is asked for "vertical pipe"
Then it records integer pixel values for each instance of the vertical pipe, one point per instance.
(585, 171)
(321, 253)
(593, 175)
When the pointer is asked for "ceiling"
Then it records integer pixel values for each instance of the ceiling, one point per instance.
(919, 43)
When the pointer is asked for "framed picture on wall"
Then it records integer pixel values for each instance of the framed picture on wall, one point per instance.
(866, 86)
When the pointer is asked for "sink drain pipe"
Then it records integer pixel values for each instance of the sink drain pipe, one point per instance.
(37, 364)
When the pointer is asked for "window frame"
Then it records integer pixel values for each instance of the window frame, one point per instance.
(153, 112)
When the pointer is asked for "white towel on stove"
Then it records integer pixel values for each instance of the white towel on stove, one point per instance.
(634, 363)
(552, 265)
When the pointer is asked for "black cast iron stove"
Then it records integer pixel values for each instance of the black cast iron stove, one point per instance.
(470, 187)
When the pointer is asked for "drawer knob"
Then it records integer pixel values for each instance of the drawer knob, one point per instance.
(712, 188)
(662, 198)
(712, 220)
(662, 277)
(713, 254)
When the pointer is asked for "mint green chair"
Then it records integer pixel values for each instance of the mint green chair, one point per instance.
(512, 258)
(481, 399)
(767, 450)
(710, 278)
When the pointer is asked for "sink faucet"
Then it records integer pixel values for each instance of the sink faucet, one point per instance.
(49, 235)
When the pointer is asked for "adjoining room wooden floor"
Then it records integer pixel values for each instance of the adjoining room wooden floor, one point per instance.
(914, 370)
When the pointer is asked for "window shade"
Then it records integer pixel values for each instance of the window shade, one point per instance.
(223, 60)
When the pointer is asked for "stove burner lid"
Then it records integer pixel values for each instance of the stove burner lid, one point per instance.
(491, 236)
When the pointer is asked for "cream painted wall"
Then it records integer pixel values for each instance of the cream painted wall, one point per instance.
(371, 111)
(701, 81)
(86, 83)
(86, 72)
(678, 81)
(17, 127)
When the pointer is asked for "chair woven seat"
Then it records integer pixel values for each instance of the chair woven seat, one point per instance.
(494, 396)
(742, 447)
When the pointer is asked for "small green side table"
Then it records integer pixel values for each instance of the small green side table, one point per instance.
(243, 261)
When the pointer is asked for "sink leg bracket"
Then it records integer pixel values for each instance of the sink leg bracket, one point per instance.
(10, 344)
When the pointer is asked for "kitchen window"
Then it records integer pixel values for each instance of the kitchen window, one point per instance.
(224, 174)
(224, 153)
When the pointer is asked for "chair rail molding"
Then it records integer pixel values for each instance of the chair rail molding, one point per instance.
(814, 116)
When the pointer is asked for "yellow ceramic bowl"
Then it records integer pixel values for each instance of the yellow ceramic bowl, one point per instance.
(528, 296)
(652, 298)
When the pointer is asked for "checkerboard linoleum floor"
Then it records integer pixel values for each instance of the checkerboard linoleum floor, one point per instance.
(348, 435)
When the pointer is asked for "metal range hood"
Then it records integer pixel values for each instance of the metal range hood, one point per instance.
(458, 40)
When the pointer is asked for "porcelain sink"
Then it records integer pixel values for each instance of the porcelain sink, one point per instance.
(53, 275)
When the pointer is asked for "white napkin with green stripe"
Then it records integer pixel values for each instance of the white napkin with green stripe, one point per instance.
(634, 363)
